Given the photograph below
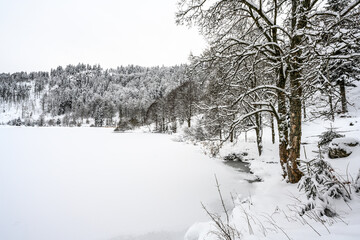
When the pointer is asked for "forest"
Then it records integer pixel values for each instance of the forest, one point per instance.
(67, 96)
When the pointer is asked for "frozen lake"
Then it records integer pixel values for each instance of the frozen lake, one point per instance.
(93, 184)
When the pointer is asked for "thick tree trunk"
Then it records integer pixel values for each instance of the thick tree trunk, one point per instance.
(298, 23)
(294, 174)
(282, 123)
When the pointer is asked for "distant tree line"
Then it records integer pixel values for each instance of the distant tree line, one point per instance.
(84, 91)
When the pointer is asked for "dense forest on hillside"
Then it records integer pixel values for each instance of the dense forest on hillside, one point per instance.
(67, 96)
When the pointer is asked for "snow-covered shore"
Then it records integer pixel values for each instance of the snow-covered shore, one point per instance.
(271, 209)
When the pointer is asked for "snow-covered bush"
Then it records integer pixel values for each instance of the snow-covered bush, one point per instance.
(321, 184)
(211, 148)
(15, 122)
(195, 133)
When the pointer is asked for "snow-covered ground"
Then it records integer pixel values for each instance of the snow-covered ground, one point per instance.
(89, 183)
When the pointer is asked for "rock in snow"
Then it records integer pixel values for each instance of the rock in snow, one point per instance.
(341, 147)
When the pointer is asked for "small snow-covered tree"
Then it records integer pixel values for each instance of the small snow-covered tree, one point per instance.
(321, 184)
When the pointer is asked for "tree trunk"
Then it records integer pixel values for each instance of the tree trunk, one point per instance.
(156, 124)
(190, 114)
(283, 127)
(163, 124)
(332, 114)
(343, 96)
(294, 174)
(272, 128)
(258, 131)
(298, 23)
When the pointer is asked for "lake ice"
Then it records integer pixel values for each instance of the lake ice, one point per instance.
(93, 184)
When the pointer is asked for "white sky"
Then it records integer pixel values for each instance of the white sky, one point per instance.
(43, 34)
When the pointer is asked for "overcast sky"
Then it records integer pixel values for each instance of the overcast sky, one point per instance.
(42, 34)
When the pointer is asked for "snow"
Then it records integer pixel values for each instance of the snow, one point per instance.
(91, 183)
(273, 205)
(347, 141)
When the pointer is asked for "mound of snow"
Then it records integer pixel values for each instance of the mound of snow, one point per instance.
(341, 147)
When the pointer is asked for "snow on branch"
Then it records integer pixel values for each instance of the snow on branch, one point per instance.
(271, 87)
(348, 56)
(245, 116)
(335, 14)
(259, 11)
(349, 8)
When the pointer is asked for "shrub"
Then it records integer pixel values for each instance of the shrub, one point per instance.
(328, 136)
(321, 184)
(196, 133)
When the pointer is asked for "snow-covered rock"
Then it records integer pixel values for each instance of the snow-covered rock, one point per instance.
(341, 147)
(200, 230)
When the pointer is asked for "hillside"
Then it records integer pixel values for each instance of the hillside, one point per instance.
(74, 94)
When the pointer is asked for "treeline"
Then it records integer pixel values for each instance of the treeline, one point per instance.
(84, 91)
(17, 87)
(176, 108)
